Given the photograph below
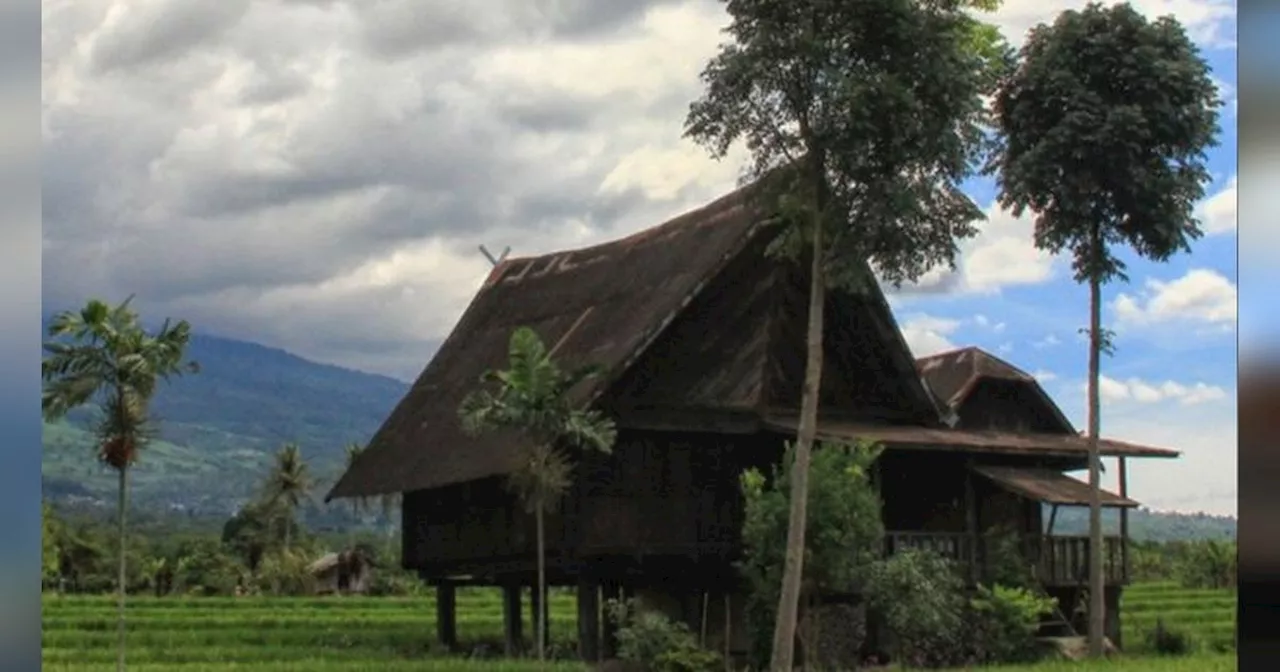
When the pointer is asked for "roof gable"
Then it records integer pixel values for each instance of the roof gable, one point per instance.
(602, 305)
(956, 375)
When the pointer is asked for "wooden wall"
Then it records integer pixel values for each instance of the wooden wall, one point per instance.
(1010, 406)
(655, 494)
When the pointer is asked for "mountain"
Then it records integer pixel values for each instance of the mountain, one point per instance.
(218, 429)
(1147, 525)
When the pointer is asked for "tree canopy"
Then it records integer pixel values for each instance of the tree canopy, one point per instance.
(1106, 123)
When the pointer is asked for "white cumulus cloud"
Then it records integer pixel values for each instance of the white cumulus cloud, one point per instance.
(1112, 390)
(1217, 213)
(1202, 295)
(928, 335)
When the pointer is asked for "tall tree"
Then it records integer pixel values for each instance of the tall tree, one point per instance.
(864, 117)
(1104, 127)
(531, 397)
(102, 355)
(288, 484)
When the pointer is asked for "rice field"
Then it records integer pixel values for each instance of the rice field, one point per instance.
(390, 634)
(1208, 616)
(193, 634)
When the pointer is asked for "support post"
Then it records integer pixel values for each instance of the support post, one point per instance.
(512, 619)
(728, 631)
(588, 618)
(1122, 472)
(971, 521)
(611, 590)
(538, 601)
(446, 615)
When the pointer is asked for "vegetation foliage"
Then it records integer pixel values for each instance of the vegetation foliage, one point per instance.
(845, 533)
(655, 642)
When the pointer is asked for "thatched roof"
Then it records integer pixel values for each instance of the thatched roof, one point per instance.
(603, 304)
(953, 375)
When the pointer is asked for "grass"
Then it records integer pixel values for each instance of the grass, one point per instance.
(390, 634)
(1207, 616)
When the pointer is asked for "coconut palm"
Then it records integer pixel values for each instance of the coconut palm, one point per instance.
(101, 355)
(288, 485)
(531, 397)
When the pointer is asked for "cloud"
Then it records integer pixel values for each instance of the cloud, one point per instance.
(1046, 342)
(1002, 254)
(299, 174)
(1227, 92)
(1217, 213)
(1044, 376)
(1211, 23)
(927, 335)
(1202, 295)
(1136, 390)
(985, 322)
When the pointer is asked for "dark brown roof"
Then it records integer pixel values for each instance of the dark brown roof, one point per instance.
(987, 441)
(1048, 486)
(601, 305)
(954, 374)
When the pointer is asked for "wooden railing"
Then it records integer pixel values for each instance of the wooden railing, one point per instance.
(956, 546)
(1065, 561)
(1057, 560)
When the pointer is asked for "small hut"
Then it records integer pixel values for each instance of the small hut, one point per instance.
(348, 572)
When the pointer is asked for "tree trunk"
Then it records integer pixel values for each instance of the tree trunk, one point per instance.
(540, 623)
(784, 629)
(1097, 605)
(122, 502)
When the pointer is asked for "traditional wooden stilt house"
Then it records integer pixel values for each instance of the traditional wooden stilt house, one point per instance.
(701, 336)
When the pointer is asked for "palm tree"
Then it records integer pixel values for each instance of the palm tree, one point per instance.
(103, 356)
(531, 397)
(287, 486)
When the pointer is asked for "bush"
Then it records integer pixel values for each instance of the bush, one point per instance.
(1005, 621)
(285, 573)
(1004, 563)
(1208, 564)
(655, 642)
(845, 532)
(921, 597)
(1168, 641)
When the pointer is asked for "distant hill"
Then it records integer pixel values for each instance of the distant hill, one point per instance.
(1147, 525)
(219, 428)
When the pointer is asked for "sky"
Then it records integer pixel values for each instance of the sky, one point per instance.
(317, 175)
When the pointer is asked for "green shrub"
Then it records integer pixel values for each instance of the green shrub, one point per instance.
(285, 573)
(921, 597)
(1168, 641)
(1208, 564)
(845, 532)
(1005, 621)
(657, 643)
(1004, 562)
